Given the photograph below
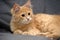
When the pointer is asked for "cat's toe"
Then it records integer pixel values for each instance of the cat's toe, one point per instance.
(25, 33)
(17, 32)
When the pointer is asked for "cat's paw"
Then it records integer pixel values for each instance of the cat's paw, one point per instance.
(46, 34)
(18, 32)
(50, 36)
(40, 34)
(28, 33)
(25, 33)
(43, 34)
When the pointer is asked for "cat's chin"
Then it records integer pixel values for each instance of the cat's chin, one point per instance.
(26, 22)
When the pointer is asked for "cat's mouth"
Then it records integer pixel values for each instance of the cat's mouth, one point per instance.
(26, 21)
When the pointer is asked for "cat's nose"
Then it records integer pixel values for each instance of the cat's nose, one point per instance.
(27, 18)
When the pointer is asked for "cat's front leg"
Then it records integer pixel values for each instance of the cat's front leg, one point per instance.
(44, 34)
(17, 32)
(52, 35)
(47, 34)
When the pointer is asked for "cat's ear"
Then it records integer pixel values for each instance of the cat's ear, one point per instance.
(16, 7)
(28, 4)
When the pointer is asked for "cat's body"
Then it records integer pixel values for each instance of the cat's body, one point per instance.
(25, 22)
(49, 24)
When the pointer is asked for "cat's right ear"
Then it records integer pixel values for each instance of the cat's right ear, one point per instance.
(15, 8)
(28, 4)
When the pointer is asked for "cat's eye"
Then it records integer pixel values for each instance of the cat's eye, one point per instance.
(28, 13)
(23, 15)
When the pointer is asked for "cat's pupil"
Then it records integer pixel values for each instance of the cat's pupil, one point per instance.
(28, 13)
(23, 15)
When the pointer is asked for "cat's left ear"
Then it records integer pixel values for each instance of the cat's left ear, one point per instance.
(28, 4)
(16, 7)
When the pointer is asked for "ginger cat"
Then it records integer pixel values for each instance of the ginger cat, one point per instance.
(25, 22)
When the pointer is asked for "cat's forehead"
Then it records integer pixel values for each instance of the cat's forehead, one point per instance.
(25, 9)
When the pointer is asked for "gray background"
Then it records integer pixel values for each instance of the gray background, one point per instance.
(6, 36)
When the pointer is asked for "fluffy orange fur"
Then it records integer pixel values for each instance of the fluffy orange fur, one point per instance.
(25, 22)
(19, 25)
(50, 25)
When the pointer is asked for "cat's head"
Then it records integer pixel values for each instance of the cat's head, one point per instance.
(22, 14)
